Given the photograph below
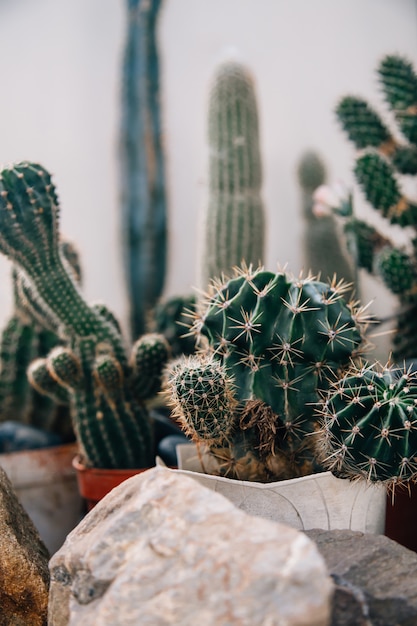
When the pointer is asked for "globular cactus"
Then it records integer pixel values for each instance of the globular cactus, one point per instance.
(172, 319)
(272, 341)
(370, 425)
(234, 221)
(143, 202)
(111, 424)
(385, 160)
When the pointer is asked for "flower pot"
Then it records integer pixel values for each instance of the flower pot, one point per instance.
(46, 485)
(315, 501)
(401, 516)
(95, 483)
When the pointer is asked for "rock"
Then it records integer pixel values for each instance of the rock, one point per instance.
(162, 550)
(375, 578)
(24, 574)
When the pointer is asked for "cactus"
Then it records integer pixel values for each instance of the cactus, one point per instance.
(322, 249)
(370, 425)
(385, 160)
(24, 339)
(143, 202)
(171, 319)
(113, 428)
(273, 342)
(234, 222)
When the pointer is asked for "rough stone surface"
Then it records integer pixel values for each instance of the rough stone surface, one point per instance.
(24, 574)
(375, 578)
(162, 550)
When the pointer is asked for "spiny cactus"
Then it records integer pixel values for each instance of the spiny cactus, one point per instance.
(112, 426)
(144, 220)
(311, 173)
(234, 221)
(370, 425)
(386, 158)
(24, 339)
(273, 341)
(172, 319)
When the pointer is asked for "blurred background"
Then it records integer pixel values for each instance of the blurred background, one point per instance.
(60, 106)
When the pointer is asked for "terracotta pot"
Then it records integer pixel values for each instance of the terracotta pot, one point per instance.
(95, 483)
(401, 516)
(315, 501)
(45, 483)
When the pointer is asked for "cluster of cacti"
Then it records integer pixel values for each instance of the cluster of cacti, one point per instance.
(234, 221)
(144, 220)
(370, 425)
(172, 319)
(385, 158)
(322, 250)
(112, 425)
(23, 339)
(273, 342)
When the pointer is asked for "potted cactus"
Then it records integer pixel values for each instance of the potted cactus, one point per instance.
(256, 401)
(107, 388)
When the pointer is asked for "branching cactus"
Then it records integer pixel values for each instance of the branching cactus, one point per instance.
(112, 426)
(370, 425)
(144, 217)
(272, 342)
(234, 221)
(386, 159)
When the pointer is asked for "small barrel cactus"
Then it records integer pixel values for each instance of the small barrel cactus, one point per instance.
(370, 425)
(111, 424)
(172, 319)
(234, 220)
(272, 342)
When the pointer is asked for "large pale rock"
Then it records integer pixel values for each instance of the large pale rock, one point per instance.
(24, 574)
(375, 578)
(162, 550)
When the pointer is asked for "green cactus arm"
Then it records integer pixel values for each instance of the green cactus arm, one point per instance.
(43, 382)
(149, 355)
(363, 125)
(399, 84)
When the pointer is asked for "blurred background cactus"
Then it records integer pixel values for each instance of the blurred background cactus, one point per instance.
(322, 248)
(234, 221)
(107, 391)
(386, 163)
(144, 212)
(172, 319)
(269, 343)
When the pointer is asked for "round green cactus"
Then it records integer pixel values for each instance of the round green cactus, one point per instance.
(370, 425)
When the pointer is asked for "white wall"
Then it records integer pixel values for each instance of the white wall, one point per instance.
(60, 97)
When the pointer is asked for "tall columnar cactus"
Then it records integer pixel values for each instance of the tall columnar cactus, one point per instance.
(273, 342)
(322, 250)
(112, 426)
(370, 425)
(144, 220)
(234, 222)
(385, 160)
(23, 339)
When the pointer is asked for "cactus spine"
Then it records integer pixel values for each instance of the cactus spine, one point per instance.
(143, 173)
(370, 425)
(273, 341)
(379, 169)
(233, 226)
(112, 426)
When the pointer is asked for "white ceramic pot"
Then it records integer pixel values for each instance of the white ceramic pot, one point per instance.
(315, 501)
(45, 483)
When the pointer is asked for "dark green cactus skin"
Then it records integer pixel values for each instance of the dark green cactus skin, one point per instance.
(370, 426)
(144, 211)
(278, 339)
(112, 427)
(378, 172)
(172, 319)
(149, 355)
(234, 220)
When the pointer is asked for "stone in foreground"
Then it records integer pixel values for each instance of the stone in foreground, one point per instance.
(162, 550)
(24, 575)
